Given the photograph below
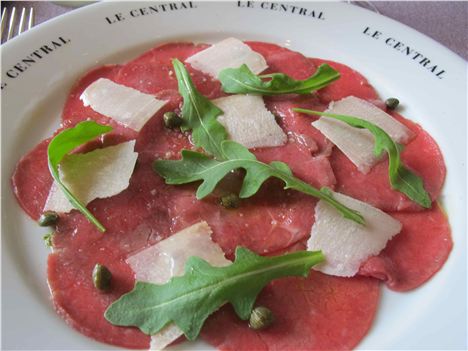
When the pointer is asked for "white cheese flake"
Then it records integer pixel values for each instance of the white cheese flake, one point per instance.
(358, 144)
(346, 244)
(165, 337)
(159, 263)
(126, 105)
(99, 173)
(229, 53)
(248, 122)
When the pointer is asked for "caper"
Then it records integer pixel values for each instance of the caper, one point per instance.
(48, 218)
(172, 120)
(260, 318)
(392, 103)
(101, 277)
(230, 201)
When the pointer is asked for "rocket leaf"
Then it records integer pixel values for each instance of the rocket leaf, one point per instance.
(401, 178)
(195, 166)
(188, 300)
(243, 81)
(65, 142)
(199, 114)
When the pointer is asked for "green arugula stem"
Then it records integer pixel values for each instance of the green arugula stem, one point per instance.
(400, 177)
(200, 115)
(243, 81)
(65, 142)
(188, 300)
(195, 166)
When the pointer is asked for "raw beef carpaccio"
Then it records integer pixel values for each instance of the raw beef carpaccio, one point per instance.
(320, 312)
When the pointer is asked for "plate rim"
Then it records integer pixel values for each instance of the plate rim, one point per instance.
(78, 12)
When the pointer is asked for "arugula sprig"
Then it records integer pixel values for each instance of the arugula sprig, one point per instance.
(65, 142)
(401, 178)
(188, 300)
(195, 166)
(243, 81)
(199, 115)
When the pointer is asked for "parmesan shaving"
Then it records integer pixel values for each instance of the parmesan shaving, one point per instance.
(100, 173)
(229, 53)
(248, 122)
(159, 263)
(126, 105)
(346, 244)
(358, 144)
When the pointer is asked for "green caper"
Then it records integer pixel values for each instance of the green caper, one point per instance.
(392, 103)
(48, 218)
(101, 277)
(230, 201)
(261, 318)
(172, 120)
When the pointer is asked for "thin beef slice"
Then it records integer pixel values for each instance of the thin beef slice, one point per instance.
(320, 312)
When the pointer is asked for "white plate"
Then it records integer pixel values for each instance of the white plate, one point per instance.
(431, 317)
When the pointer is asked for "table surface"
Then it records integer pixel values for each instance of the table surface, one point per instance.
(444, 21)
